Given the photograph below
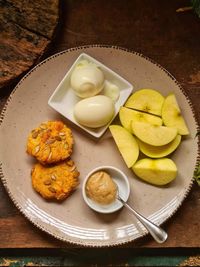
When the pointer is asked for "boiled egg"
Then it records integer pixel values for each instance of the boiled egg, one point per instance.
(87, 79)
(111, 90)
(94, 111)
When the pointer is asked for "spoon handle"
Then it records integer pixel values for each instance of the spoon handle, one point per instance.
(156, 232)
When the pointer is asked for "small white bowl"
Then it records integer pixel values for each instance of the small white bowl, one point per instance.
(123, 186)
(64, 99)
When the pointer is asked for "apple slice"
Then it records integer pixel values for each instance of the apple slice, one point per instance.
(153, 134)
(159, 151)
(155, 171)
(126, 143)
(127, 115)
(171, 115)
(148, 100)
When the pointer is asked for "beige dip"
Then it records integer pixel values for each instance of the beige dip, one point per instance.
(101, 188)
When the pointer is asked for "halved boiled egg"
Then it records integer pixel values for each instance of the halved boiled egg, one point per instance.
(94, 111)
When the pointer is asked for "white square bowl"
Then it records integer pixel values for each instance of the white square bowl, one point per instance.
(64, 99)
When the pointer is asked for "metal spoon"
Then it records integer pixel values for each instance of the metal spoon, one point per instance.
(156, 232)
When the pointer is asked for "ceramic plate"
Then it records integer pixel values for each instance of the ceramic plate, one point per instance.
(72, 220)
(64, 99)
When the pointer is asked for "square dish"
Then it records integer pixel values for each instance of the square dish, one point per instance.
(64, 99)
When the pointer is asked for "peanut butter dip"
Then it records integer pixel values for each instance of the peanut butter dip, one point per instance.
(101, 188)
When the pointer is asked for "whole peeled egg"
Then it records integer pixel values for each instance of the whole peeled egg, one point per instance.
(94, 111)
(87, 79)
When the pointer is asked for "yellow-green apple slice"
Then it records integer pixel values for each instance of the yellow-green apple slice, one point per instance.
(156, 171)
(148, 100)
(153, 134)
(159, 151)
(126, 143)
(171, 115)
(127, 115)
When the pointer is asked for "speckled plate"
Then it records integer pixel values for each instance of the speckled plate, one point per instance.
(72, 220)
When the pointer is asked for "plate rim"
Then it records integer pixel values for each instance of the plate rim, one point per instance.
(79, 241)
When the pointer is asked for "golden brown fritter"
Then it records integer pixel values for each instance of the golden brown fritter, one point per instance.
(55, 182)
(51, 142)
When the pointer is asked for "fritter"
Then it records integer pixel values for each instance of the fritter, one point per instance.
(51, 142)
(55, 182)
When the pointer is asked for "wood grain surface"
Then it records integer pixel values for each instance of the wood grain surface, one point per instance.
(27, 29)
(156, 30)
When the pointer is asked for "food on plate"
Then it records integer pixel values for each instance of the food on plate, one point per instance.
(126, 143)
(148, 100)
(155, 124)
(50, 142)
(94, 111)
(87, 79)
(55, 176)
(127, 115)
(153, 134)
(159, 151)
(101, 188)
(156, 171)
(171, 115)
(111, 90)
(55, 182)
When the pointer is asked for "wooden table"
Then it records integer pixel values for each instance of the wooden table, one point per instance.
(27, 29)
(156, 30)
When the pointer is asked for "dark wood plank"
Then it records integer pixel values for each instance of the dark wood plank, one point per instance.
(39, 16)
(156, 30)
(27, 28)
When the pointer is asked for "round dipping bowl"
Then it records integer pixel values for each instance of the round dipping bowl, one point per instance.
(123, 186)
